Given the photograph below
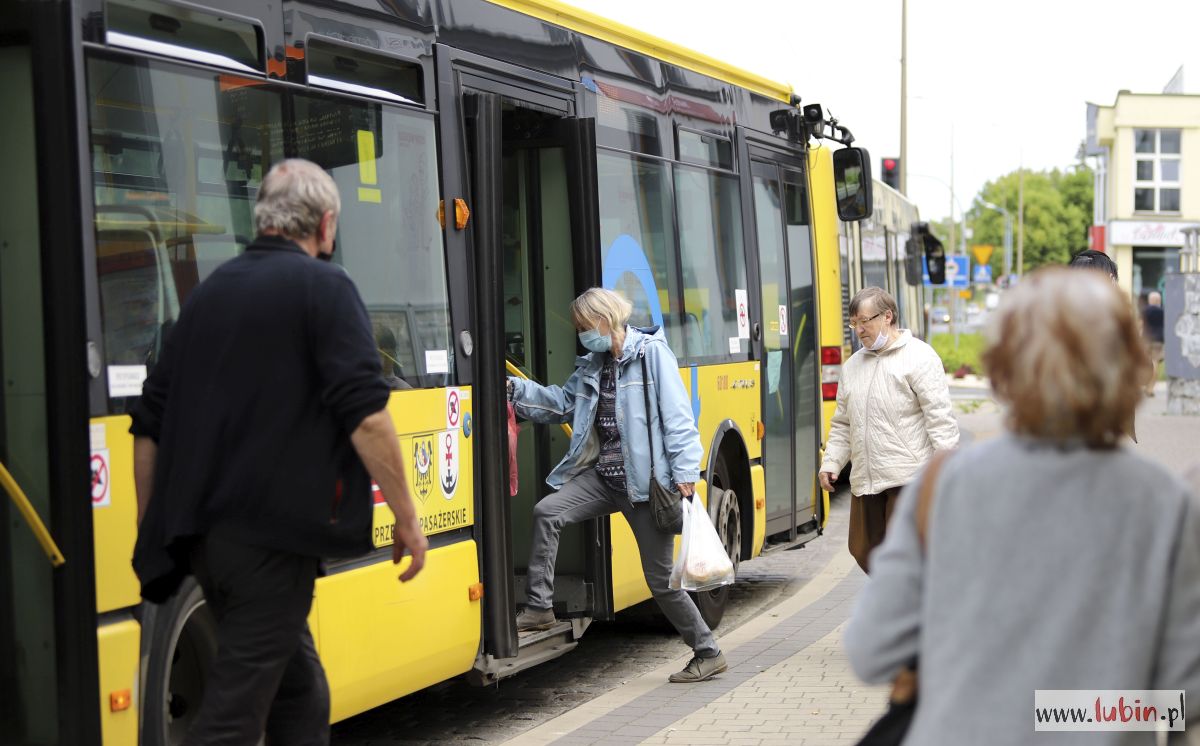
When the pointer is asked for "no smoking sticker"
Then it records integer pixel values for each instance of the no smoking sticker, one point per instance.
(101, 496)
(453, 408)
(741, 300)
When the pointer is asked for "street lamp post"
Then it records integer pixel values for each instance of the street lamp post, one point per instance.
(1008, 234)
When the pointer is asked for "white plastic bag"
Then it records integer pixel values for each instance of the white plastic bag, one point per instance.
(702, 563)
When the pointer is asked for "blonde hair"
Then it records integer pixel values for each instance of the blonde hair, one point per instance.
(598, 304)
(294, 196)
(1065, 354)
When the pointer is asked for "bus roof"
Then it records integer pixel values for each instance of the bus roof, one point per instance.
(602, 28)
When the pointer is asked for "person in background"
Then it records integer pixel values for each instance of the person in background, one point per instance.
(386, 341)
(255, 440)
(1152, 329)
(893, 411)
(608, 463)
(1092, 259)
(1049, 551)
(1098, 260)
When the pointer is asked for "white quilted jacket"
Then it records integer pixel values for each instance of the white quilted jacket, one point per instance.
(893, 412)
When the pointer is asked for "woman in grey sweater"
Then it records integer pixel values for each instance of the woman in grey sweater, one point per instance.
(1055, 558)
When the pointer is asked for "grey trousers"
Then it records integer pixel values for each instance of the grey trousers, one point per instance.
(585, 497)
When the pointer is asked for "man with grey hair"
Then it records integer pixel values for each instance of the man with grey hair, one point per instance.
(255, 441)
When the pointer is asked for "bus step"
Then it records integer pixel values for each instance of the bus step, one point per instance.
(536, 647)
(535, 636)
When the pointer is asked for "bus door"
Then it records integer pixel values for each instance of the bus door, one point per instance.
(788, 336)
(48, 642)
(529, 168)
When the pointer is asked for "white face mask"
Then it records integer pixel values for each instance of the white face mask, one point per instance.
(881, 339)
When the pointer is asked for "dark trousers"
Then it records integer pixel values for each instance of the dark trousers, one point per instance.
(869, 516)
(267, 678)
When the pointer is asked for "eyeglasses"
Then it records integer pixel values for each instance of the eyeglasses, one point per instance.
(862, 322)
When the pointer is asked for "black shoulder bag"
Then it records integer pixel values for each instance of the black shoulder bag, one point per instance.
(666, 504)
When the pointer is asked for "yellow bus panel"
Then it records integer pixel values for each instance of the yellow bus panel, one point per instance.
(828, 265)
(114, 513)
(726, 392)
(117, 646)
(759, 485)
(628, 583)
(381, 639)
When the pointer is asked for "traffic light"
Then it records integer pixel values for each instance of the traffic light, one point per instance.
(891, 172)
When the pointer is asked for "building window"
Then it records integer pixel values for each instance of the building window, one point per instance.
(1156, 170)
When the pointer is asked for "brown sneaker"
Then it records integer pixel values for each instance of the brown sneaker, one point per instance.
(700, 669)
(535, 619)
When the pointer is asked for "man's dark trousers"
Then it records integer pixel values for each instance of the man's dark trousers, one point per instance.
(267, 676)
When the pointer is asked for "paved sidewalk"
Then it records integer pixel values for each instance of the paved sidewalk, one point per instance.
(788, 682)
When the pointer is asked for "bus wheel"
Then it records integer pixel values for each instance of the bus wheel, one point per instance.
(727, 518)
(182, 647)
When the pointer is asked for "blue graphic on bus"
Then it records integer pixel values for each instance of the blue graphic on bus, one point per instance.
(626, 256)
(696, 394)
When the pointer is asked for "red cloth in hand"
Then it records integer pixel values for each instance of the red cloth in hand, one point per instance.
(513, 431)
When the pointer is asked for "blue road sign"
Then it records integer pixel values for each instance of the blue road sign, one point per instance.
(958, 272)
(983, 274)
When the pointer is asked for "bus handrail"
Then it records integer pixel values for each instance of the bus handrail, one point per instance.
(514, 370)
(31, 517)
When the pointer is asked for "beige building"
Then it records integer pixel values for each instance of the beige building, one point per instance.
(1147, 148)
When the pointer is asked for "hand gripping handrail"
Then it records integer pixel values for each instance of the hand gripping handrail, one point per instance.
(31, 517)
(513, 369)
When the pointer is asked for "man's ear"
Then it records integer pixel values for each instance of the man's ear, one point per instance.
(328, 226)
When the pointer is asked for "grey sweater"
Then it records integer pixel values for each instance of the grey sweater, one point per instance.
(1046, 568)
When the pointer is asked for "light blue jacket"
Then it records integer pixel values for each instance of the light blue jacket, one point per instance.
(676, 449)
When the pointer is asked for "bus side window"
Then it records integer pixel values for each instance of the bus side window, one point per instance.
(708, 205)
(131, 295)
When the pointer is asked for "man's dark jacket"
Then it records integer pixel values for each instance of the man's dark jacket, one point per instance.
(269, 369)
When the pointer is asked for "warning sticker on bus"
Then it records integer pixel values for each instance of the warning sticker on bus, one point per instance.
(100, 478)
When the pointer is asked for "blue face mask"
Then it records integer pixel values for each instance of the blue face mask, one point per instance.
(595, 341)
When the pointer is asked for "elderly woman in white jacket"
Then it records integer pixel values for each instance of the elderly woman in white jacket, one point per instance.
(893, 412)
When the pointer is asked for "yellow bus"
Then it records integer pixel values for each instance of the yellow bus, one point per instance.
(494, 159)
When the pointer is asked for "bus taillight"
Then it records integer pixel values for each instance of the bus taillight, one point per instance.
(831, 372)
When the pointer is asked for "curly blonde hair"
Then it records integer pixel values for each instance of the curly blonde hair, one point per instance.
(1065, 354)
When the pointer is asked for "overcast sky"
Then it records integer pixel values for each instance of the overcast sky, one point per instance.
(1010, 80)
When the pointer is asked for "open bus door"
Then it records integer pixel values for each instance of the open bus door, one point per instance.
(49, 670)
(529, 166)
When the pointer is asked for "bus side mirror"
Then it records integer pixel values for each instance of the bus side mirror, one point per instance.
(935, 256)
(852, 178)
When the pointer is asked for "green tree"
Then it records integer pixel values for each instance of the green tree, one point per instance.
(1058, 211)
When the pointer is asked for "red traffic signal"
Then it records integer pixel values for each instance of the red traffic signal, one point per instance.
(891, 172)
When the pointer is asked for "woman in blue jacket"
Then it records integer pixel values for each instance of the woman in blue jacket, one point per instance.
(606, 468)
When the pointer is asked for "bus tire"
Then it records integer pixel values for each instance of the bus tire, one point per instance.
(726, 514)
(181, 645)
